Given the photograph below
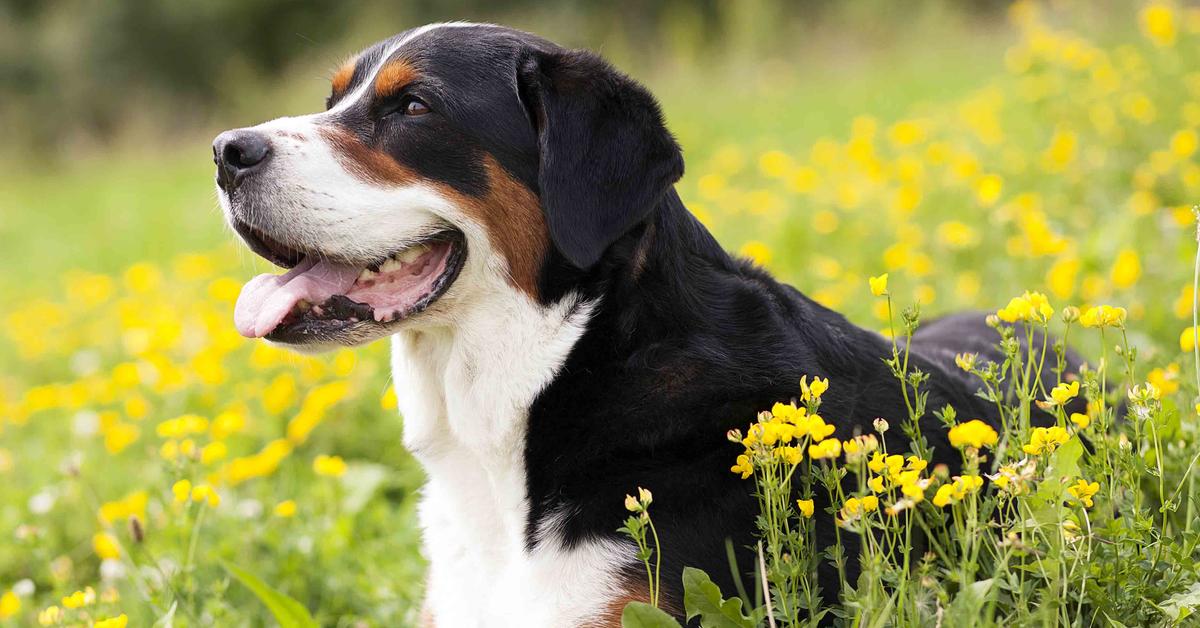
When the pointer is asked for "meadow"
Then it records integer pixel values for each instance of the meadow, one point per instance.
(158, 469)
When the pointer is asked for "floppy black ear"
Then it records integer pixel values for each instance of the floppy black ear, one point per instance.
(605, 156)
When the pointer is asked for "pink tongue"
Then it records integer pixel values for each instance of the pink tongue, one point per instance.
(267, 299)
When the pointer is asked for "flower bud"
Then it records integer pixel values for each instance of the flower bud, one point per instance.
(135, 529)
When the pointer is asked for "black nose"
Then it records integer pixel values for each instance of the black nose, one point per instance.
(238, 153)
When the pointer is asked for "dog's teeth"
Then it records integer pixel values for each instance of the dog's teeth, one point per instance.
(366, 275)
(390, 266)
(302, 305)
(412, 254)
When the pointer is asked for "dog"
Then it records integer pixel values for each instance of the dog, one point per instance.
(563, 330)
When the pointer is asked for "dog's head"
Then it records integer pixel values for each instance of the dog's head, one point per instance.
(451, 161)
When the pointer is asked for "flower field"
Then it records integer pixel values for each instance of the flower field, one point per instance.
(156, 467)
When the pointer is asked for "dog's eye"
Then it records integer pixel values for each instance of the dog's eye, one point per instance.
(414, 107)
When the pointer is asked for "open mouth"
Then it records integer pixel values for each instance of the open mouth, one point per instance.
(321, 299)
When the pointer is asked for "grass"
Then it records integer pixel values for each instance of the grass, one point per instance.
(1059, 161)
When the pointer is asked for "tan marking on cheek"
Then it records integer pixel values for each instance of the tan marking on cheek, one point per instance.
(366, 163)
(509, 212)
(341, 78)
(512, 217)
(392, 77)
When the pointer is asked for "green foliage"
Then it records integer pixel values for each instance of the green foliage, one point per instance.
(702, 598)
(642, 615)
(287, 611)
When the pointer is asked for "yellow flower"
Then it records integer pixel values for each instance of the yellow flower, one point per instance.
(1081, 420)
(856, 507)
(1045, 440)
(1184, 143)
(120, 621)
(205, 493)
(1063, 392)
(965, 361)
(973, 433)
(1104, 316)
(878, 462)
(812, 392)
(332, 466)
(1158, 23)
(876, 483)
(50, 615)
(915, 491)
(894, 464)
(790, 455)
(756, 252)
(879, 285)
(1031, 306)
(814, 427)
(10, 605)
(988, 188)
(213, 452)
(743, 466)
(169, 450)
(106, 546)
(806, 507)
(1083, 491)
(942, 498)
(79, 599)
(1126, 269)
(1187, 340)
(1165, 379)
(787, 412)
(828, 448)
(957, 490)
(182, 490)
(285, 508)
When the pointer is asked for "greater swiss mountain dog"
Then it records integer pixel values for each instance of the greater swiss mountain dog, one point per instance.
(563, 329)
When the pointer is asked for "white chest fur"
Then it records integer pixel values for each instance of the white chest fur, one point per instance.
(465, 393)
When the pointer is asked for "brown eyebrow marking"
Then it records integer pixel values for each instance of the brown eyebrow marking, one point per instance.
(392, 77)
(341, 78)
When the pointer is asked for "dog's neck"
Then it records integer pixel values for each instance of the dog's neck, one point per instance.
(469, 383)
(483, 369)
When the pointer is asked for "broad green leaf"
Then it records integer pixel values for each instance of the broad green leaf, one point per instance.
(701, 596)
(287, 611)
(1182, 604)
(1062, 467)
(642, 615)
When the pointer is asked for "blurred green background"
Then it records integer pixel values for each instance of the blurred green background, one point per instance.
(109, 107)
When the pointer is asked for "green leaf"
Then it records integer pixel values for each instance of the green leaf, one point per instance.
(360, 483)
(701, 596)
(287, 611)
(1182, 604)
(1062, 466)
(642, 615)
(968, 604)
